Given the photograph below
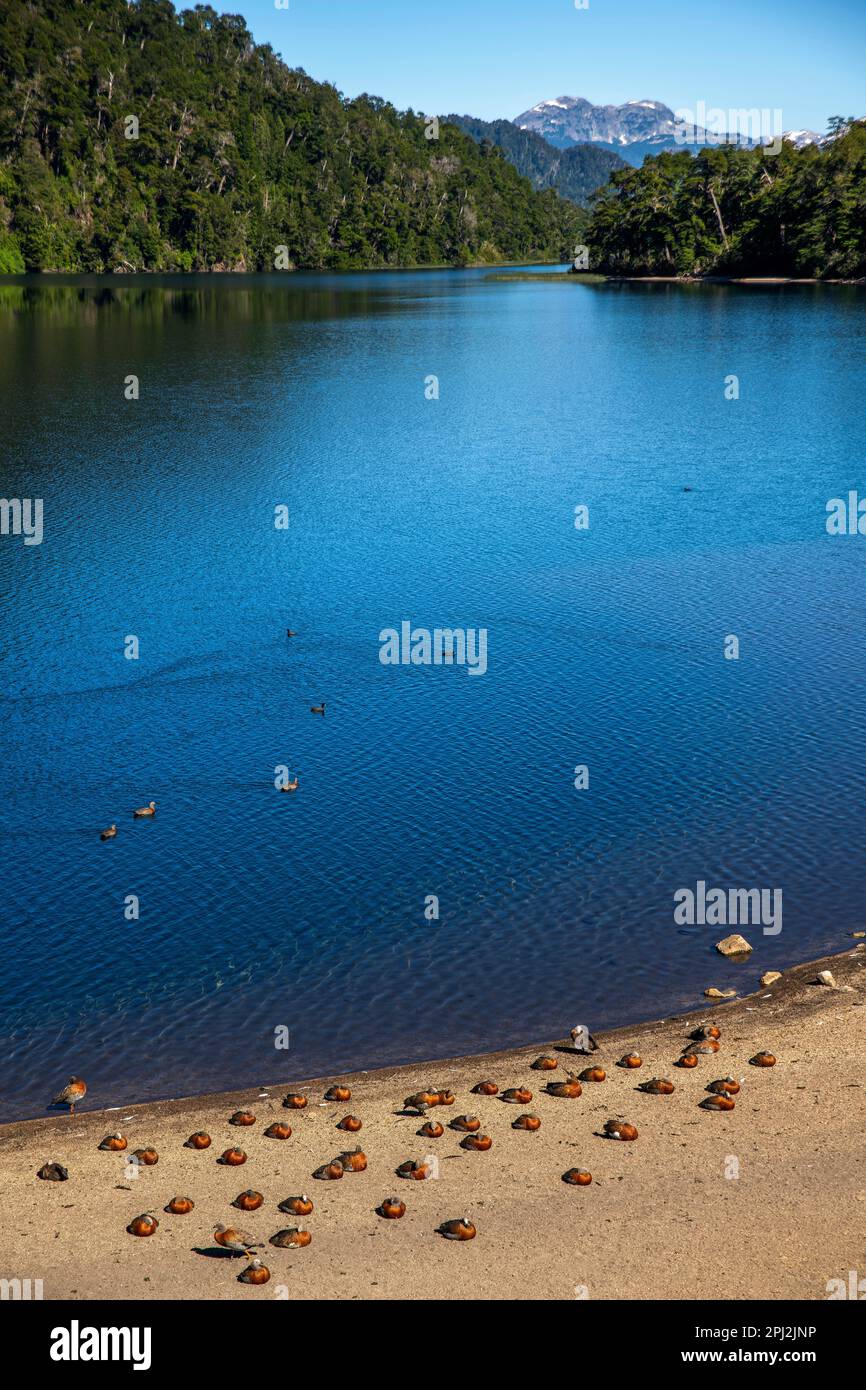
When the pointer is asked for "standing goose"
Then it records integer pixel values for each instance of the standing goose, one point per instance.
(74, 1091)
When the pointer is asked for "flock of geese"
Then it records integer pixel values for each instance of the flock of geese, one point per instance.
(703, 1044)
(291, 785)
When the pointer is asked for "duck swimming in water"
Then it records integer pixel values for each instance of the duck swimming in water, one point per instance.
(457, 1230)
(290, 786)
(148, 810)
(72, 1094)
(318, 709)
(109, 834)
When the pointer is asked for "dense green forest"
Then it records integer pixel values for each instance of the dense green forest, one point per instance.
(730, 211)
(576, 173)
(234, 156)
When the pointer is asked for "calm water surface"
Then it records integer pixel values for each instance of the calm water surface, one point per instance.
(605, 648)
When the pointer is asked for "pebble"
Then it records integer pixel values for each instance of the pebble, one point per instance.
(825, 977)
(735, 945)
(770, 978)
(712, 993)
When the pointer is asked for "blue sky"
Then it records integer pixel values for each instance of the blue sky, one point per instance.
(497, 57)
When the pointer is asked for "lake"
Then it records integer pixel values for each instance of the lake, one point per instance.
(447, 504)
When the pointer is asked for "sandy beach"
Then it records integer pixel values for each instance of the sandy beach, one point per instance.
(662, 1218)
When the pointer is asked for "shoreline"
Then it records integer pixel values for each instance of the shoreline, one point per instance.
(794, 1218)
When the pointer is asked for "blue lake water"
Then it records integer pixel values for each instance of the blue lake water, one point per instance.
(605, 647)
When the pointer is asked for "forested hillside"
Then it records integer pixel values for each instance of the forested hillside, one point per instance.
(576, 173)
(733, 211)
(135, 137)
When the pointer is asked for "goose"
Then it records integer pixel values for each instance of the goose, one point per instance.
(318, 709)
(74, 1091)
(148, 810)
(109, 834)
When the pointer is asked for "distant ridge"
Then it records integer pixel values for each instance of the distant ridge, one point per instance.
(576, 173)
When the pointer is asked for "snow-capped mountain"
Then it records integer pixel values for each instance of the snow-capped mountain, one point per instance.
(565, 120)
(803, 137)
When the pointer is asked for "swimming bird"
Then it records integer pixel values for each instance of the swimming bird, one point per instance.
(517, 1095)
(659, 1086)
(619, 1129)
(109, 834)
(480, 1142)
(392, 1209)
(530, 1122)
(726, 1087)
(431, 1130)
(242, 1117)
(338, 1092)
(290, 632)
(53, 1172)
(486, 1088)
(148, 810)
(248, 1201)
(114, 1143)
(278, 1130)
(457, 1230)
(762, 1059)
(298, 1206)
(294, 1238)
(72, 1094)
(238, 1241)
(233, 1158)
(255, 1273)
(143, 1225)
(290, 786)
(631, 1060)
(469, 1123)
(180, 1206)
(577, 1177)
(567, 1090)
(199, 1140)
(318, 709)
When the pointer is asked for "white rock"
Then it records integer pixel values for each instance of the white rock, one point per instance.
(770, 978)
(825, 978)
(735, 945)
(713, 993)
